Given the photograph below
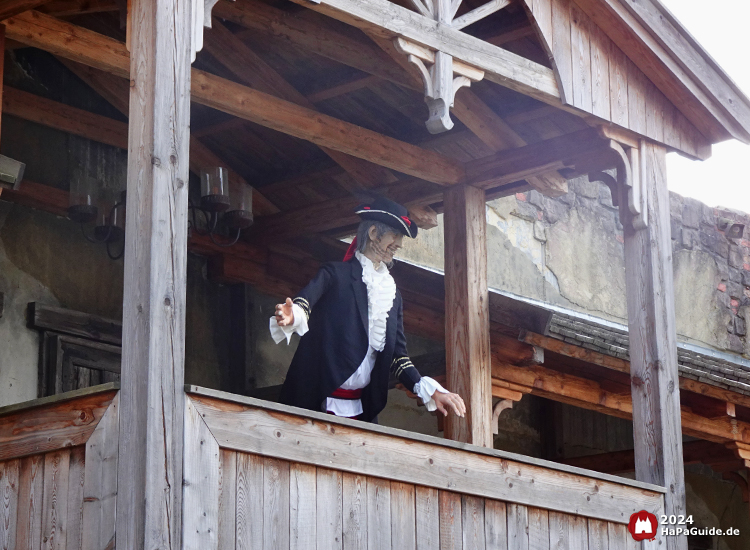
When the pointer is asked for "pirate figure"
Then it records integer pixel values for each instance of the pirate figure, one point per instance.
(350, 318)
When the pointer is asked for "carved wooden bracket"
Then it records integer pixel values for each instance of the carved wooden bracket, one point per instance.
(201, 18)
(441, 74)
(441, 80)
(628, 187)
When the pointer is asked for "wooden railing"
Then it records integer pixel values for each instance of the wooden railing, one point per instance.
(58, 471)
(262, 475)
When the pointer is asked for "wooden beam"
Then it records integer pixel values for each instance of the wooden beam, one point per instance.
(586, 146)
(343, 89)
(482, 121)
(115, 91)
(149, 498)
(65, 118)
(252, 70)
(619, 462)
(65, 8)
(52, 423)
(390, 20)
(467, 320)
(10, 8)
(653, 339)
(2, 74)
(90, 48)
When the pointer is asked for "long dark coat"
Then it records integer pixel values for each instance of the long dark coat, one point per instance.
(337, 342)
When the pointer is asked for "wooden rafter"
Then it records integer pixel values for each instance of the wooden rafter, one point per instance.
(250, 68)
(94, 49)
(10, 8)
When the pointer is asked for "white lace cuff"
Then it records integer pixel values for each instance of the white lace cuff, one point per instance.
(425, 388)
(299, 326)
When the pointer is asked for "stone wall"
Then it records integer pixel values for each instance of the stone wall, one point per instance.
(569, 252)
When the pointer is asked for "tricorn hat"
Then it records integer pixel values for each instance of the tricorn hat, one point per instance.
(390, 213)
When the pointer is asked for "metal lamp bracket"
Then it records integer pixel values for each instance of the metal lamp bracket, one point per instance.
(628, 188)
(441, 79)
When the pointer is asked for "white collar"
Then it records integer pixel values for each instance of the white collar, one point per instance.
(367, 264)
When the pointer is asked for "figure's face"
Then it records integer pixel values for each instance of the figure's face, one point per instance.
(384, 248)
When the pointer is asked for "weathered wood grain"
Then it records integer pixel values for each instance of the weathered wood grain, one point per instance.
(149, 498)
(518, 527)
(379, 513)
(473, 522)
(495, 525)
(598, 535)
(578, 533)
(618, 86)
(329, 509)
(580, 48)
(9, 498)
(227, 500)
(467, 319)
(403, 516)
(55, 500)
(354, 492)
(451, 521)
(100, 481)
(600, 77)
(559, 536)
(249, 501)
(617, 536)
(302, 501)
(561, 48)
(653, 342)
(428, 518)
(51, 424)
(76, 480)
(200, 493)
(30, 496)
(275, 504)
(538, 529)
(366, 451)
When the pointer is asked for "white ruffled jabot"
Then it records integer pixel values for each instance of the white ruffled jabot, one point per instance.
(381, 291)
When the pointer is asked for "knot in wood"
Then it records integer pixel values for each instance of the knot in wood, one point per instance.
(637, 381)
(156, 161)
(167, 301)
(670, 386)
(173, 159)
(180, 184)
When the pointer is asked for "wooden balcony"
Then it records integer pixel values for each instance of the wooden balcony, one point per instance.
(262, 475)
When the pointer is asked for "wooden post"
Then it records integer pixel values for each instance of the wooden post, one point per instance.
(149, 500)
(2, 74)
(653, 340)
(467, 320)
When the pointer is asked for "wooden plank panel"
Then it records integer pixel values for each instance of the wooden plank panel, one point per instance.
(330, 509)
(598, 535)
(671, 135)
(473, 523)
(378, 513)
(249, 502)
(403, 519)
(451, 531)
(57, 424)
(538, 529)
(636, 98)
(618, 86)
(600, 79)
(428, 519)
(100, 481)
(200, 500)
(30, 494)
(315, 440)
(495, 525)
(561, 48)
(275, 504)
(76, 479)
(302, 502)
(55, 500)
(559, 527)
(580, 36)
(617, 536)
(227, 500)
(654, 113)
(578, 537)
(467, 319)
(518, 527)
(9, 492)
(354, 500)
